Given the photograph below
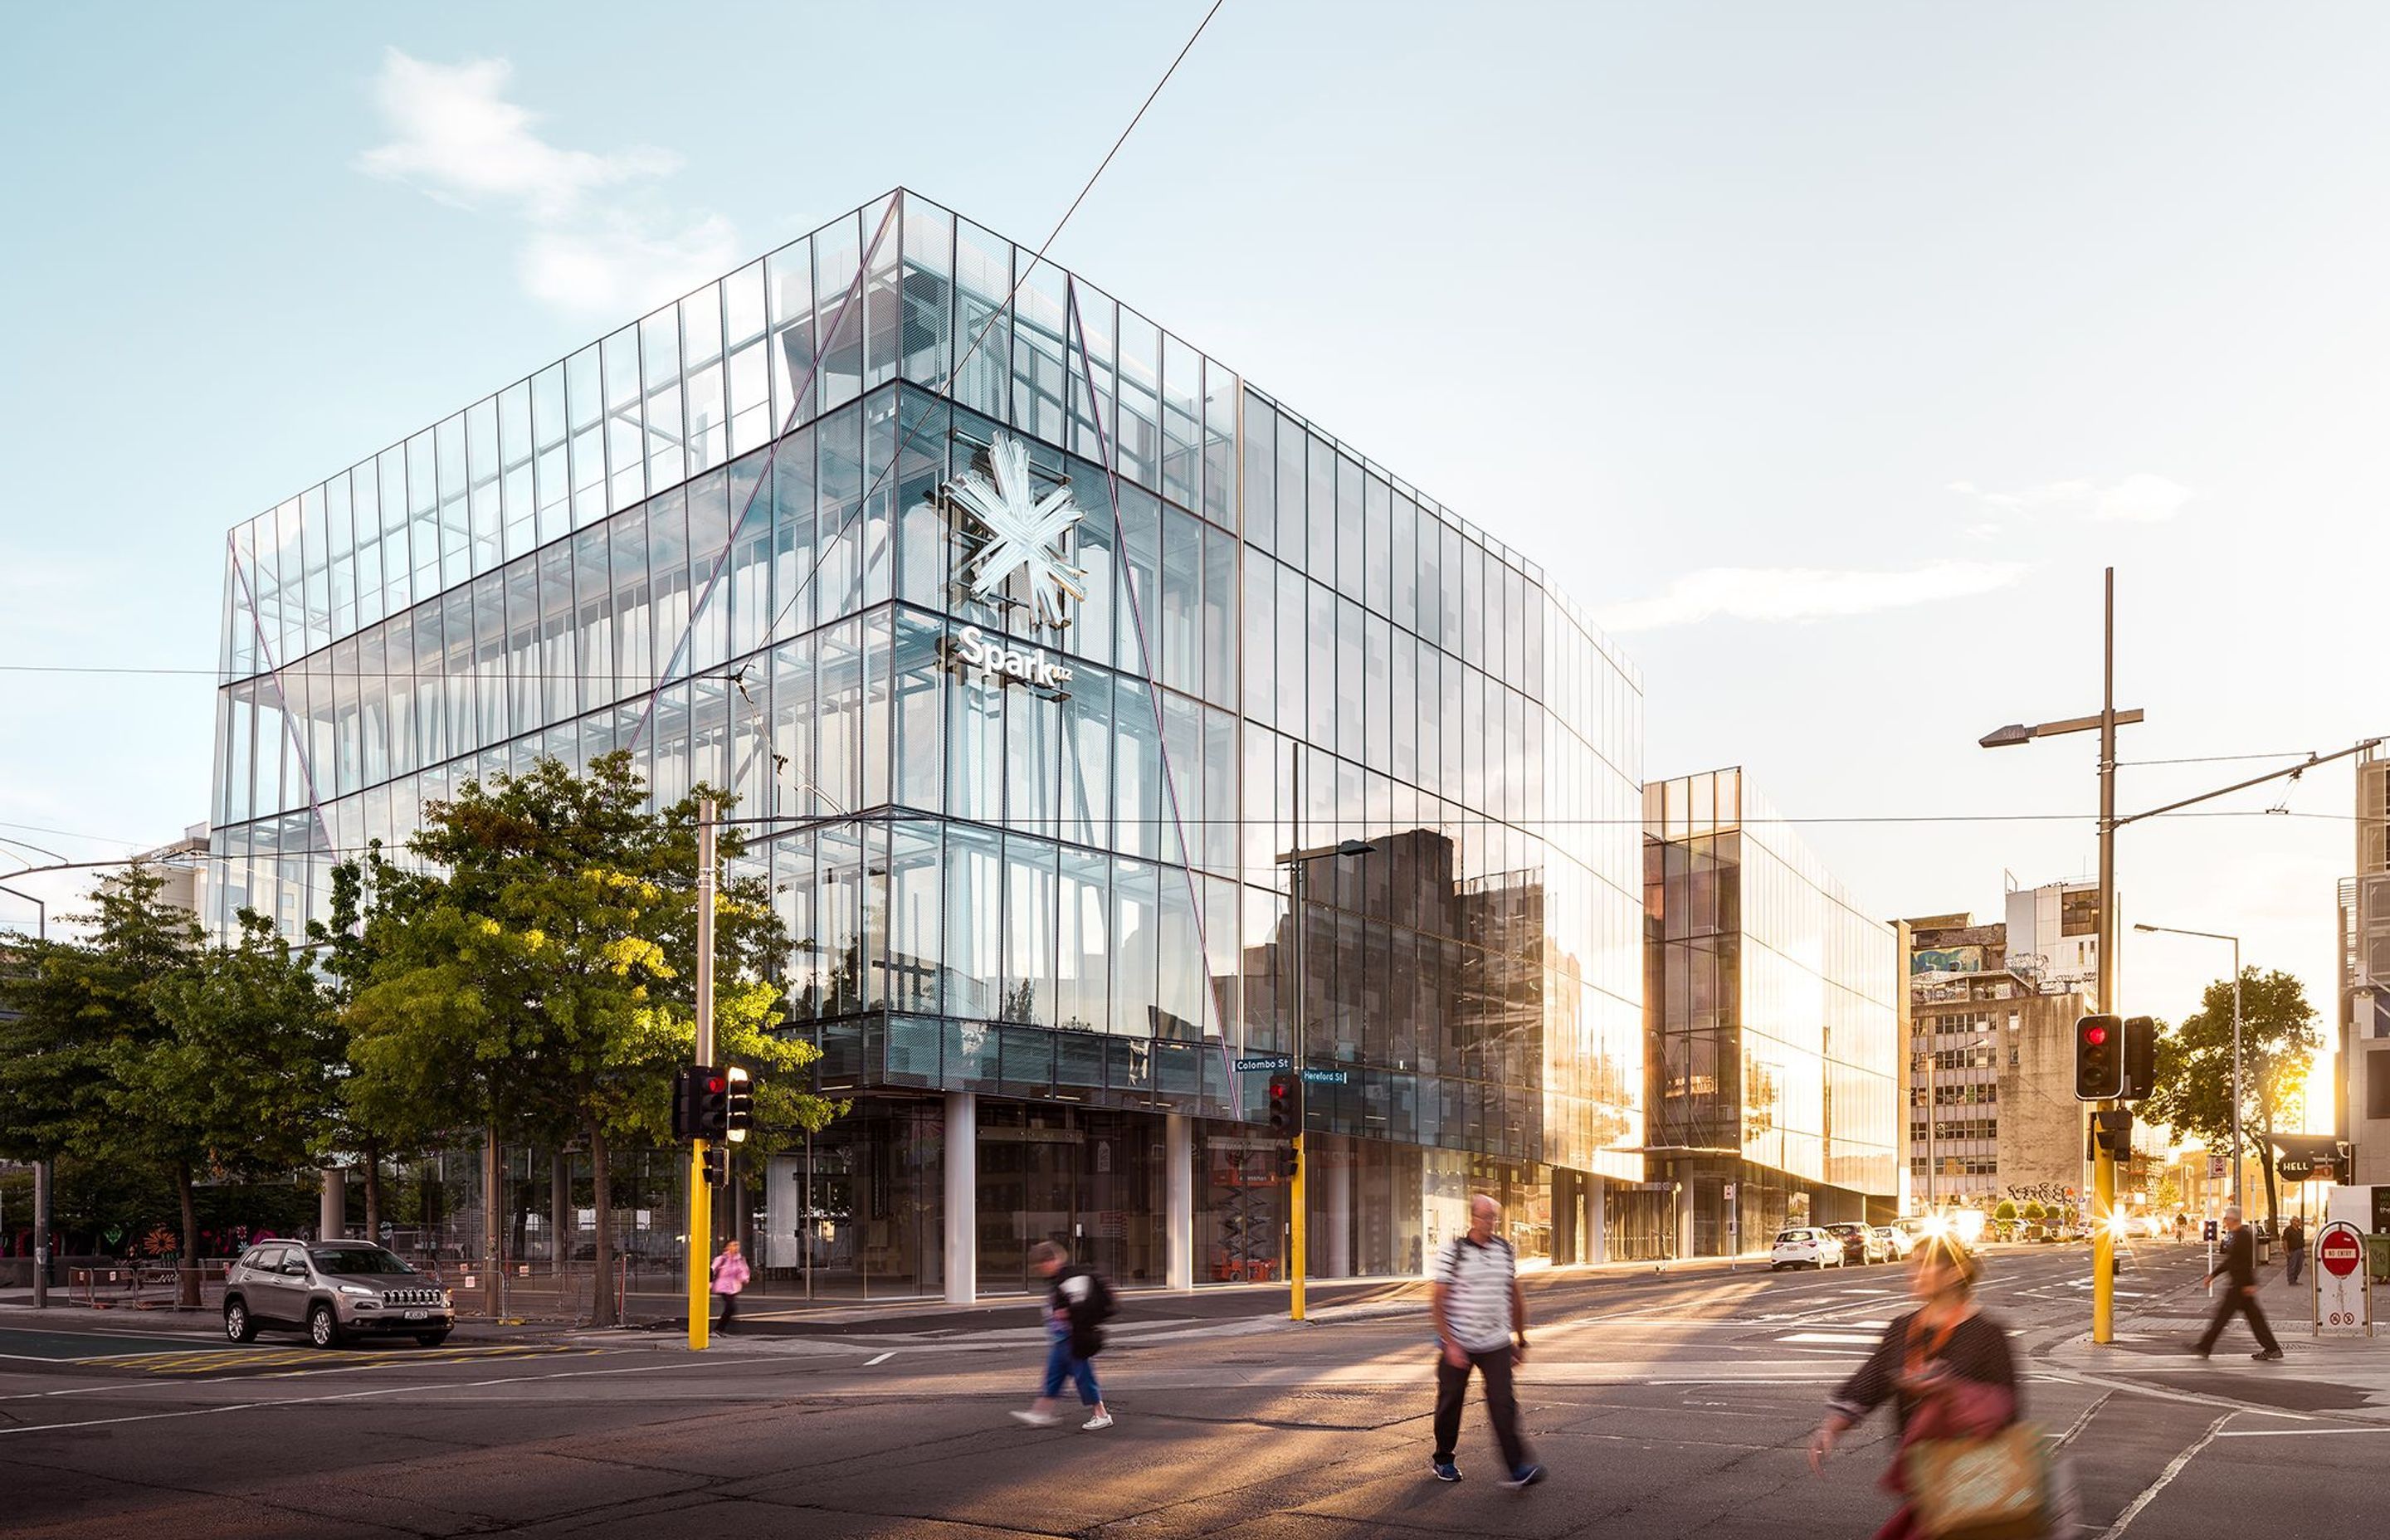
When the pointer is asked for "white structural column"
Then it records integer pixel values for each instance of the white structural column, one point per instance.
(332, 1213)
(962, 1198)
(1178, 1201)
(1596, 1247)
(1336, 1258)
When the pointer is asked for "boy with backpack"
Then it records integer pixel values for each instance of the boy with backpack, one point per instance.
(1077, 1303)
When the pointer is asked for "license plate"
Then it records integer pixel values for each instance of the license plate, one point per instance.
(418, 1314)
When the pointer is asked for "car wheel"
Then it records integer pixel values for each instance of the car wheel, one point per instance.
(431, 1339)
(323, 1327)
(239, 1328)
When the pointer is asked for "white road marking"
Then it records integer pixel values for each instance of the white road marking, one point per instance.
(2166, 1477)
(1851, 1336)
(2296, 1432)
(882, 1359)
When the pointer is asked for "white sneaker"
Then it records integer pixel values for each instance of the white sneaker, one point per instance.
(1037, 1419)
(1101, 1419)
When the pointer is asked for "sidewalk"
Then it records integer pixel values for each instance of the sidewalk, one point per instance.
(2156, 1333)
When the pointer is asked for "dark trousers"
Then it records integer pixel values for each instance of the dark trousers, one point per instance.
(1502, 1404)
(2294, 1263)
(2236, 1303)
(729, 1311)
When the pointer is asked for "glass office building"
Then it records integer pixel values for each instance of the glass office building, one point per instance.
(1773, 1010)
(1043, 641)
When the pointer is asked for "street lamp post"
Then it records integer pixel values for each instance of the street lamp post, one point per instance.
(2237, 1088)
(2104, 1166)
(41, 1168)
(1298, 864)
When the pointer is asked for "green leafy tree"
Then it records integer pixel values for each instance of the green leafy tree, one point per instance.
(2278, 1041)
(2005, 1213)
(539, 975)
(237, 1082)
(78, 1006)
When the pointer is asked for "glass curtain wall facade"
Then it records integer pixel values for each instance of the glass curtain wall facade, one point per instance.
(726, 538)
(1775, 1045)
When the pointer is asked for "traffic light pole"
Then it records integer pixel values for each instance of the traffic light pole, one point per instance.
(2103, 1164)
(700, 1192)
(1298, 1194)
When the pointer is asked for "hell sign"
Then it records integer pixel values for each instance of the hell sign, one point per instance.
(2344, 1300)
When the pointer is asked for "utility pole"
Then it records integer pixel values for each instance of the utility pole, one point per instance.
(2103, 1162)
(700, 1192)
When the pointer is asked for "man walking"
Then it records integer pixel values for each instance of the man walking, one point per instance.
(2295, 1249)
(2239, 1269)
(729, 1276)
(1077, 1303)
(1481, 1323)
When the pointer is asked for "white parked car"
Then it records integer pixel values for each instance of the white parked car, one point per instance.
(1809, 1247)
(1897, 1241)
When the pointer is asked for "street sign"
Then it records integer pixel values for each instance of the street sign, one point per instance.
(1266, 1062)
(1326, 1077)
(2216, 1168)
(1729, 1194)
(2344, 1298)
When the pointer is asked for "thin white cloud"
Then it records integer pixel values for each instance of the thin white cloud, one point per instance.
(456, 137)
(1803, 593)
(2141, 498)
(612, 265)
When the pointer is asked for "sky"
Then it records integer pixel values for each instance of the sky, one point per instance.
(1828, 353)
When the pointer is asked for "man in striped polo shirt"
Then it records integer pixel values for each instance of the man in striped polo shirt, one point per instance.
(1480, 1323)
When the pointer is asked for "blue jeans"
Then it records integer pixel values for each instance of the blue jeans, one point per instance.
(1061, 1366)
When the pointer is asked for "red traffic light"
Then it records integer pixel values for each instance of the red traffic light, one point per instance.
(1280, 1090)
(717, 1084)
(2095, 1035)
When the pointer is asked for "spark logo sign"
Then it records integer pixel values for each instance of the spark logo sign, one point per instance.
(1019, 532)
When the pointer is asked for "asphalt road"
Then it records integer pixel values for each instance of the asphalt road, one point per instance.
(1663, 1407)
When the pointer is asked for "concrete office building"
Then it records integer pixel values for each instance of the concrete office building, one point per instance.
(1990, 1082)
(2362, 1109)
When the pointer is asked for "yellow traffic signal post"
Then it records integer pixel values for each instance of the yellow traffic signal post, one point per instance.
(701, 1249)
(1296, 1265)
(700, 1193)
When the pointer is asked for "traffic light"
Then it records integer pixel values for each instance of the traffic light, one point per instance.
(1281, 1107)
(683, 1104)
(712, 1102)
(2114, 1132)
(2141, 1058)
(717, 1167)
(739, 1105)
(2099, 1057)
(1285, 1122)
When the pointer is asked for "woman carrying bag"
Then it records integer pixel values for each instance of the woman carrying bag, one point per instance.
(1967, 1467)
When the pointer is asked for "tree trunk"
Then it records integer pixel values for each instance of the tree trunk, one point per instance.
(188, 1276)
(373, 1191)
(562, 1232)
(601, 1285)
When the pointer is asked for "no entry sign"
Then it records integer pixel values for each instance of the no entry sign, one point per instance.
(2344, 1300)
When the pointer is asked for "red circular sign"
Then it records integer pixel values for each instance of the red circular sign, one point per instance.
(2339, 1253)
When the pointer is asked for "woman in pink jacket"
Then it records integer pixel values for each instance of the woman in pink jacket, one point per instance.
(729, 1276)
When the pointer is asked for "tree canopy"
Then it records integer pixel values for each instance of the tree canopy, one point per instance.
(2278, 1040)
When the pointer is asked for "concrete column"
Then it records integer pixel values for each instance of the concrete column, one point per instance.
(1178, 1201)
(1336, 1256)
(1597, 1219)
(962, 1198)
(332, 1213)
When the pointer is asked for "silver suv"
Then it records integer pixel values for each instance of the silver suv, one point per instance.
(332, 1291)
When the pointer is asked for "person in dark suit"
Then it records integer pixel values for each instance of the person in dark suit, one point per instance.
(2294, 1250)
(2239, 1269)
